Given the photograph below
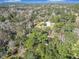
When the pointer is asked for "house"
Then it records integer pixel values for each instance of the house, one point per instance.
(48, 24)
(43, 25)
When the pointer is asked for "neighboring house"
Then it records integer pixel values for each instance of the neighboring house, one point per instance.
(76, 30)
(62, 37)
(77, 21)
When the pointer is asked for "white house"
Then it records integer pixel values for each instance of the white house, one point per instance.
(48, 23)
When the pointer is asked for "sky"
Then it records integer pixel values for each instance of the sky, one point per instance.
(39, 1)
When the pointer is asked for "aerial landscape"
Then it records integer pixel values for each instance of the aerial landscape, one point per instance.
(39, 29)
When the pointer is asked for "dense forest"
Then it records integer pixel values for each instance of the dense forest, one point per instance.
(39, 32)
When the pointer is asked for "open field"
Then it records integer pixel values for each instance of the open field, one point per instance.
(39, 31)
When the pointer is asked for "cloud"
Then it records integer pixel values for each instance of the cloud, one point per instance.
(55, 0)
(12, 0)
